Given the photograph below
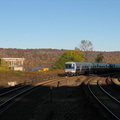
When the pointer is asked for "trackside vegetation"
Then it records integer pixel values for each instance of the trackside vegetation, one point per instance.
(27, 77)
(3, 65)
(68, 55)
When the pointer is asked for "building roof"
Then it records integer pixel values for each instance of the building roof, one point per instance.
(13, 58)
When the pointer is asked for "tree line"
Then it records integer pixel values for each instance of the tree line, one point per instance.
(55, 58)
(80, 54)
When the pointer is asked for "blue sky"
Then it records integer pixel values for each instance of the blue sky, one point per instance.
(60, 24)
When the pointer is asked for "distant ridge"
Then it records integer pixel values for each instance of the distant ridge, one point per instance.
(39, 58)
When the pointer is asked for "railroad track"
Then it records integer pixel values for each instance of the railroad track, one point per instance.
(9, 97)
(44, 89)
(110, 103)
(39, 99)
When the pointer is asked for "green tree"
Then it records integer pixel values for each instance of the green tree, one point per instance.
(3, 65)
(99, 58)
(68, 56)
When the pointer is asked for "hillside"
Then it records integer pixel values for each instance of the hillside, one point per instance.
(38, 58)
(109, 57)
(34, 58)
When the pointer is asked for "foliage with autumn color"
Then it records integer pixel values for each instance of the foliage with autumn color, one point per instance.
(68, 55)
(3, 65)
(42, 58)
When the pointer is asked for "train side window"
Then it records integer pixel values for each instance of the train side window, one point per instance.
(66, 66)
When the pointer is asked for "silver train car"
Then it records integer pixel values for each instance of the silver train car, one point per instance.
(77, 68)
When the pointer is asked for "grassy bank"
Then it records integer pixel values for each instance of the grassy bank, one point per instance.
(26, 76)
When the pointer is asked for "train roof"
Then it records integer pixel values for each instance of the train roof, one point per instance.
(101, 63)
(78, 62)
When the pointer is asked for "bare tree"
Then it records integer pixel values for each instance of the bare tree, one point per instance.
(86, 45)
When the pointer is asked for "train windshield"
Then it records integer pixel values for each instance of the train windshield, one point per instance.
(69, 66)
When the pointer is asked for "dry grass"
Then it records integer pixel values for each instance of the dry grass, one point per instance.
(26, 76)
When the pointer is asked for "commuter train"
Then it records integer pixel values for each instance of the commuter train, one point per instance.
(77, 68)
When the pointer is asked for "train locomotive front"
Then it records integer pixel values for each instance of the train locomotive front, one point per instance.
(70, 68)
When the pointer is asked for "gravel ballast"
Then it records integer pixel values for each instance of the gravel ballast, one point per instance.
(65, 101)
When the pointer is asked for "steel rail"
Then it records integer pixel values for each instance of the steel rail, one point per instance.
(12, 90)
(28, 89)
(22, 87)
(8, 100)
(102, 103)
(108, 93)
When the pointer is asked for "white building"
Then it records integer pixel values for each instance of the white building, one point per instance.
(15, 63)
